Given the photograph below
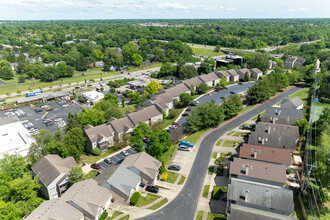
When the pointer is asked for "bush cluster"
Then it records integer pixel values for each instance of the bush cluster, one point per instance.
(135, 198)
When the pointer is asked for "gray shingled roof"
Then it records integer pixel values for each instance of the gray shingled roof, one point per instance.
(285, 112)
(121, 125)
(296, 101)
(144, 114)
(177, 90)
(279, 129)
(261, 195)
(120, 178)
(279, 119)
(273, 140)
(209, 77)
(144, 163)
(224, 73)
(99, 132)
(52, 166)
(195, 81)
(232, 72)
(258, 170)
(238, 212)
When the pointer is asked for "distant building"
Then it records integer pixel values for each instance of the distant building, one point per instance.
(53, 174)
(255, 73)
(15, 138)
(230, 59)
(99, 64)
(233, 75)
(93, 96)
(292, 61)
(68, 42)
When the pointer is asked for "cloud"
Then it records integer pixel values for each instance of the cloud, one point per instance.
(231, 9)
(174, 6)
(303, 9)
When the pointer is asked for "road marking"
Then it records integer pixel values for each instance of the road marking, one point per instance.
(44, 115)
(37, 119)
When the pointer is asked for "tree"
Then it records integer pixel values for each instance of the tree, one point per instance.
(185, 99)
(137, 59)
(282, 81)
(232, 106)
(73, 121)
(202, 88)
(93, 117)
(324, 90)
(38, 149)
(123, 101)
(111, 58)
(128, 51)
(74, 141)
(62, 69)
(21, 61)
(303, 125)
(21, 79)
(57, 147)
(96, 151)
(153, 87)
(167, 69)
(217, 48)
(186, 72)
(5, 70)
(204, 116)
(103, 105)
(33, 70)
(81, 63)
(112, 98)
(260, 61)
(76, 175)
(98, 54)
(134, 96)
(112, 112)
(140, 131)
(204, 68)
(247, 77)
(223, 82)
(159, 140)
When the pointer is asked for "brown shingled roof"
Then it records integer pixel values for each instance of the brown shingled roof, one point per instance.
(259, 170)
(177, 90)
(144, 114)
(269, 154)
(280, 129)
(195, 81)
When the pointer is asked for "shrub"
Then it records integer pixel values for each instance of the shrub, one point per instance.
(164, 177)
(162, 168)
(96, 151)
(218, 161)
(103, 216)
(134, 199)
(288, 171)
(223, 189)
(73, 97)
(216, 192)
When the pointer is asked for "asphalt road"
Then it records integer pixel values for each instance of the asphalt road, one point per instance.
(185, 204)
(216, 96)
(117, 159)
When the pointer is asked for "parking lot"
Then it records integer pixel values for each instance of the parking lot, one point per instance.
(117, 159)
(58, 114)
(216, 96)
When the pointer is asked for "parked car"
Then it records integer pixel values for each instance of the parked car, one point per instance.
(174, 167)
(232, 92)
(49, 123)
(222, 97)
(187, 143)
(49, 109)
(152, 189)
(37, 109)
(146, 140)
(245, 127)
(194, 103)
(95, 166)
(186, 113)
(184, 148)
(124, 153)
(189, 108)
(108, 161)
(65, 105)
(77, 87)
(240, 83)
(217, 90)
(89, 85)
(172, 126)
(44, 106)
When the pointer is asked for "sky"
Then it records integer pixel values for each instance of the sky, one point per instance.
(161, 9)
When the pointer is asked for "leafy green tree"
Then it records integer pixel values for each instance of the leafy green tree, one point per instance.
(217, 48)
(282, 81)
(167, 69)
(5, 70)
(21, 61)
(33, 70)
(140, 131)
(204, 116)
(258, 60)
(137, 59)
(202, 88)
(21, 79)
(185, 99)
(204, 68)
(112, 98)
(159, 141)
(98, 54)
(153, 87)
(112, 112)
(128, 51)
(324, 90)
(76, 174)
(57, 147)
(186, 72)
(38, 149)
(74, 141)
(303, 125)
(103, 105)
(93, 117)
(81, 63)
(73, 121)
(62, 69)
(111, 58)
(223, 82)
(232, 106)
(133, 97)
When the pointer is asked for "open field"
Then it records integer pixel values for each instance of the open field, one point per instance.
(206, 52)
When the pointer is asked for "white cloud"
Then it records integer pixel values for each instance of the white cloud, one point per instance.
(231, 9)
(175, 6)
(303, 9)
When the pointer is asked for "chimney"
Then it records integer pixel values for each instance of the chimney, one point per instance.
(246, 195)
(271, 119)
(255, 154)
(247, 169)
(279, 112)
(274, 120)
(276, 112)
(263, 141)
(259, 139)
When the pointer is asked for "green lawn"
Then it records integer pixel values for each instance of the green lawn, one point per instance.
(93, 159)
(167, 122)
(182, 179)
(261, 114)
(127, 108)
(146, 200)
(219, 142)
(171, 177)
(126, 217)
(158, 205)
(215, 216)
(206, 191)
(166, 157)
(237, 134)
(199, 215)
(214, 155)
(229, 143)
(114, 215)
(230, 132)
(303, 94)
(206, 52)
(91, 174)
(195, 136)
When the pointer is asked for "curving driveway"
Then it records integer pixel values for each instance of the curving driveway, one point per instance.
(184, 205)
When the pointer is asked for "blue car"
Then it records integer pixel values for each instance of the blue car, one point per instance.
(232, 92)
(187, 143)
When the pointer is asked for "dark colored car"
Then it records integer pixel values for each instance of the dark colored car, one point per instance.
(95, 166)
(189, 108)
(222, 97)
(186, 113)
(194, 103)
(49, 109)
(37, 109)
(174, 167)
(232, 92)
(2, 100)
(108, 161)
(245, 127)
(217, 90)
(89, 85)
(240, 83)
(152, 189)
(77, 87)
(49, 123)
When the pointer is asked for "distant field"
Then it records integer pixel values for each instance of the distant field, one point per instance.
(206, 52)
